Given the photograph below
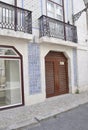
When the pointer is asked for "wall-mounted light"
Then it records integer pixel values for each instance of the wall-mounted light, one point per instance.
(77, 15)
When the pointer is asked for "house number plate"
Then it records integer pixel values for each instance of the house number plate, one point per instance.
(61, 63)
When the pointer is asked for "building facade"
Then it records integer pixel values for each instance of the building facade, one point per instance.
(43, 50)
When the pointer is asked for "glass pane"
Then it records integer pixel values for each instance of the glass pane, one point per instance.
(50, 9)
(7, 52)
(58, 1)
(50, 14)
(59, 13)
(50, 6)
(10, 83)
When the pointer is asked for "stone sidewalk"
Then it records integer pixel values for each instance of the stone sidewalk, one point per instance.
(28, 115)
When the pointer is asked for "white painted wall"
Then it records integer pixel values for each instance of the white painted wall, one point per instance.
(8, 1)
(82, 69)
(68, 9)
(19, 2)
(81, 22)
(35, 7)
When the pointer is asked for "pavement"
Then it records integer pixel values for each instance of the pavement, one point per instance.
(15, 118)
(74, 119)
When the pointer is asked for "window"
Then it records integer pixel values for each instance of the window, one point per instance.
(6, 16)
(58, 1)
(10, 78)
(59, 12)
(55, 9)
(50, 9)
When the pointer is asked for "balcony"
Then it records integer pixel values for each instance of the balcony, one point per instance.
(15, 18)
(54, 28)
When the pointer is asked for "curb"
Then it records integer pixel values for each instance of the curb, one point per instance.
(38, 119)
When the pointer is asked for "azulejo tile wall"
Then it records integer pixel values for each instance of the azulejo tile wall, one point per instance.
(34, 68)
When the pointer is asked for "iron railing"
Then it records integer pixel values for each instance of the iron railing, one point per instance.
(15, 18)
(54, 28)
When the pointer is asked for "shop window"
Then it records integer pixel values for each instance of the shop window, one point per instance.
(11, 84)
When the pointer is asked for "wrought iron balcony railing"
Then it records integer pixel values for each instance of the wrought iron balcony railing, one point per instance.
(15, 18)
(57, 29)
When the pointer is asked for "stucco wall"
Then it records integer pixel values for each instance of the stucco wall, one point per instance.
(19, 2)
(68, 8)
(35, 7)
(8, 1)
(82, 56)
(81, 22)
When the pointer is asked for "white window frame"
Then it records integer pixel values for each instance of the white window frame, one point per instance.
(54, 12)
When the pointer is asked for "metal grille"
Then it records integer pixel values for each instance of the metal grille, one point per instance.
(15, 18)
(57, 29)
(71, 33)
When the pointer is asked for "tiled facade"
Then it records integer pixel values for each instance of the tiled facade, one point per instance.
(34, 69)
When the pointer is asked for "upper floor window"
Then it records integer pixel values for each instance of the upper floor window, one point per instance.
(55, 9)
(58, 1)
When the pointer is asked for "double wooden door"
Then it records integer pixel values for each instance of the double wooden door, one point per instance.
(56, 69)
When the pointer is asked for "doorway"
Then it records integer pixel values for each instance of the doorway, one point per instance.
(56, 74)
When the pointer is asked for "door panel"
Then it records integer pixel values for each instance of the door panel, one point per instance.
(62, 76)
(50, 78)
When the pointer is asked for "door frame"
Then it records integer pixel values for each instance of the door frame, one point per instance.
(56, 71)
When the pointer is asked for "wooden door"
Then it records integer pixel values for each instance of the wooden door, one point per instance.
(56, 74)
(50, 78)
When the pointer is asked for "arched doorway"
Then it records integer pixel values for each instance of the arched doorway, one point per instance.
(56, 74)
